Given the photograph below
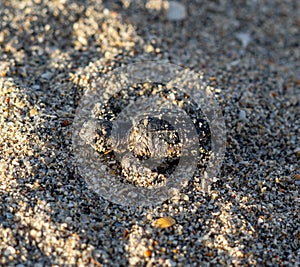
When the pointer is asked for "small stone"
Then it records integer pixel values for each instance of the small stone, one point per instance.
(147, 253)
(47, 75)
(244, 38)
(185, 197)
(82, 40)
(9, 251)
(176, 12)
(33, 233)
(149, 217)
(297, 176)
(165, 222)
(33, 112)
(242, 115)
(156, 5)
(69, 219)
(2, 37)
(214, 195)
(36, 87)
(105, 12)
(260, 220)
(63, 226)
(172, 97)
(149, 48)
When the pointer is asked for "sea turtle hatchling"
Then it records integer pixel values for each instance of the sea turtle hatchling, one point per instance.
(146, 150)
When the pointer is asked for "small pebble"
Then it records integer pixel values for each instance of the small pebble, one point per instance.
(244, 38)
(36, 87)
(165, 222)
(176, 12)
(47, 75)
(9, 251)
(242, 115)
